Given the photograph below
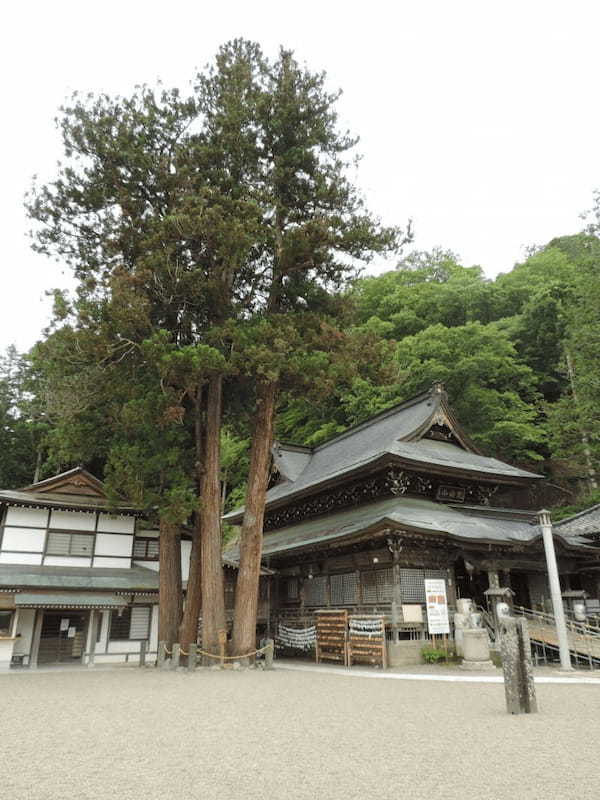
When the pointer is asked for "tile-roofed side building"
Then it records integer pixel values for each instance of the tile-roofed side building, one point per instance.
(585, 524)
(78, 575)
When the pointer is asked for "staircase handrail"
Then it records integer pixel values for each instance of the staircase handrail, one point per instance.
(574, 626)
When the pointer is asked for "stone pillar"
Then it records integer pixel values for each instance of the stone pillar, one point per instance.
(476, 649)
(515, 647)
(553, 579)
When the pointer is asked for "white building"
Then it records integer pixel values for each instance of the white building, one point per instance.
(78, 580)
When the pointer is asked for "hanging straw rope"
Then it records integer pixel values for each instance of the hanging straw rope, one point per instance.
(220, 657)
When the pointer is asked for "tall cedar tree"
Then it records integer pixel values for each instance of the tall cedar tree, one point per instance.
(317, 230)
(152, 212)
(227, 206)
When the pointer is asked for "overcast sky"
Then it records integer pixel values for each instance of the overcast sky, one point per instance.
(478, 120)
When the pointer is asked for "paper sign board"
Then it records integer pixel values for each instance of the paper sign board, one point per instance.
(64, 624)
(437, 606)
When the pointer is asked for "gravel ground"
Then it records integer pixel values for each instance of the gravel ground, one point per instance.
(130, 734)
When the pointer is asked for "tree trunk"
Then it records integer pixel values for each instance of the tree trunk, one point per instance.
(246, 593)
(170, 600)
(213, 588)
(193, 597)
(188, 632)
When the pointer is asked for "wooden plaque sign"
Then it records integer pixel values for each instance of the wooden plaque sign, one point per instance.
(366, 640)
(332, 635)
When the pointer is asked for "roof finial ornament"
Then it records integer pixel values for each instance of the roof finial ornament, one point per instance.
(438, 388)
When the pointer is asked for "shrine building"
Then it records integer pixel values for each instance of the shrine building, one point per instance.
(362, 520)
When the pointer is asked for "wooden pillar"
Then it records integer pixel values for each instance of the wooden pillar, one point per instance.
(35, 640)
(92, 636)
(268, 605)
(395, 547)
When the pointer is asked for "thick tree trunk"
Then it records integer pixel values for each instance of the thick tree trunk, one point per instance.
(193, 598)
(246, 593)
(213, 588)
(170, 600)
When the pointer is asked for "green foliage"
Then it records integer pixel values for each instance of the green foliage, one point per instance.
(586, 501)
(432, 655)
(427, 289)
(491, 390)
(22, 423)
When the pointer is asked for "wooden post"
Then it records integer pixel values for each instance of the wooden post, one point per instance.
(35, 641)
(269, 653)
(175, 656)
(93, 632)
(222, 642)
(268, 605)
(143, 646)
(192, 657)
(395, 547)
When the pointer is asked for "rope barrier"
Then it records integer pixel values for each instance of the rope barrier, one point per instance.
(219, 657)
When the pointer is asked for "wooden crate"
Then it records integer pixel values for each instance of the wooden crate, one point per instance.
(366, 640)
(332, 635)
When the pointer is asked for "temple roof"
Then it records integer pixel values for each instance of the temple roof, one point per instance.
(130, 579)
(585, 522)
(73, 490)
(464, 524)
(396, 435)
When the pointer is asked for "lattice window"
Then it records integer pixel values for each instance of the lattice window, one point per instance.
(292, 589)
(70, 544)
(315, 591)
(385, 585)
(132, 623)
(344, 589)
(440, 574)
(377, 586)
(412, 585)
(369, 586)
(145, 549)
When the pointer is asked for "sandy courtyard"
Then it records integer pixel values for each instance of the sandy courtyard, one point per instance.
(134, 734)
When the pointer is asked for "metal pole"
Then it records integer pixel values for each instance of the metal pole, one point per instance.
(555, 593)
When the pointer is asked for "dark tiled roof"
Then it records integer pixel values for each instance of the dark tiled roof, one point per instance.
(393, 434)
(69, 502)
(481, 523)
(135, 579)
(587, 521)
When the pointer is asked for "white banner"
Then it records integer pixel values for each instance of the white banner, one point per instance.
(437, 606)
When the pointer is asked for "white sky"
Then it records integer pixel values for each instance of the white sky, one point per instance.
(479, 120)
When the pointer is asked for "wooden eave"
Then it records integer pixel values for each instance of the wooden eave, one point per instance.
(391, 460)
